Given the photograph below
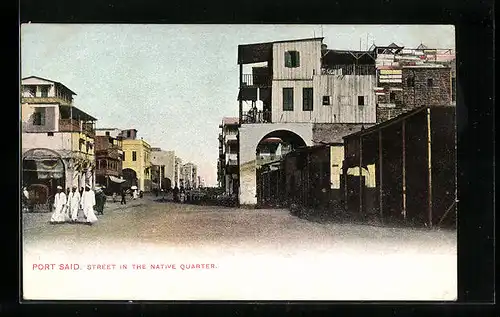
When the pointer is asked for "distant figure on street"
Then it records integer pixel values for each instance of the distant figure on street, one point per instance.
(134, 194)
(100, 198)
(176, 193)
(26, 200)
(81, 191)
(141, 194)
(59, 206)
(124, 194)
(114, 197)
(74, 203)
(183, 194)
(88, 202)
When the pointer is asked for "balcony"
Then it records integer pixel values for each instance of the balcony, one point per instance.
(72, 125)
(256, 80)
(58, 100)
(256, 117)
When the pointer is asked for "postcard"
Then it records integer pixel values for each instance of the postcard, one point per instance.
(238, 162)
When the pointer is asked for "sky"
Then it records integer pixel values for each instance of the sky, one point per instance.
(174, 83)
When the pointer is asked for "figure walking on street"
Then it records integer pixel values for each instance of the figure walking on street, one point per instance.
(88, 203)
(124, 195)
(59, 206)
(74, 203)
(100, 201)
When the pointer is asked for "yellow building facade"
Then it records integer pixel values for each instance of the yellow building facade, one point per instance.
(136, 157)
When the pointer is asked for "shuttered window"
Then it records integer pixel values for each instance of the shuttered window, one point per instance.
(39, 116)
(287, 99)
(292, 59)
(307, 99)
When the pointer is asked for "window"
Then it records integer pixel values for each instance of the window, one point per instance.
(292, 59)
(123, 156)
(39, 116)
(50, 133)
(453, 89)
(134, 156)
(107, 133)
(287, 99)
(44, 90)
(326, 100)
(430, 82)
(307, 99)
(392, 97)
(410, 82)
(29, 91)
(361, 100)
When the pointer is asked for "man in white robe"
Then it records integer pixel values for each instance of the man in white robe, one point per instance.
(74, 204)
(59, 207)
(88, 203)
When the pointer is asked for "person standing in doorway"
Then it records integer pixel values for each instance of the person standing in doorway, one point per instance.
(88, 203)
(59, 206)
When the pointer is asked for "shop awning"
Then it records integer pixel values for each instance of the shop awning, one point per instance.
(116, 179)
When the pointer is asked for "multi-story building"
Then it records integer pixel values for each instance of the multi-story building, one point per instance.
(228, 155)
(109, 154)
(412, 78)
(162, 168)
(136, 160)
(57, 137)
(299, 93)
(189, 176)
(177, 172)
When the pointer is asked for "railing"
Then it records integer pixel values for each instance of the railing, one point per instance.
(72, 125)
(45, 100)
(256, 117)
(256, 80)
(349, 70)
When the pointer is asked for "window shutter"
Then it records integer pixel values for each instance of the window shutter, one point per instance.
(288, 59)
(297, 59)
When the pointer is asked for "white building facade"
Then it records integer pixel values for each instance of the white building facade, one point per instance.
(290, 88)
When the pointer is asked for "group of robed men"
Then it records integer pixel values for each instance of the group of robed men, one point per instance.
(66, 207)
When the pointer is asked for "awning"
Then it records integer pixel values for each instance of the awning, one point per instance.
(116, 179)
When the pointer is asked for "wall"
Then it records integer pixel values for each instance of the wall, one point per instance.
(167, 159)
(336, 158)
(343, 92)
(420, 95)
(51, 118)
(309, 55)
(250, 136)
(143, 150)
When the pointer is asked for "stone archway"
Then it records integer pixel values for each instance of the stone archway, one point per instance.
(42, 171)
(251, 135)
(130, 176)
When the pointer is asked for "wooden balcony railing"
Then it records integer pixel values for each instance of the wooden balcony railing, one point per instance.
(256, 80)
(72, 125)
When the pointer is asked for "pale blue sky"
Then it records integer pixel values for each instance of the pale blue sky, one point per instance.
(174, 83)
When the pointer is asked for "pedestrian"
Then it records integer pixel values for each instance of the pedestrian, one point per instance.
(114, 197)
(100, 201)
(26, 200)
(134, 194)
(141, 194)
(88, 204)
(176, 193)
(74, 203)
(59, 206)
(124, 194)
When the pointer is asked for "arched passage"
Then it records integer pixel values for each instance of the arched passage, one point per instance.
(130, 177)
(42, 171)
(253, 138)
(269, 152)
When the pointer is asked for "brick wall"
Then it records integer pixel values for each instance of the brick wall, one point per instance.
(421, 93)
